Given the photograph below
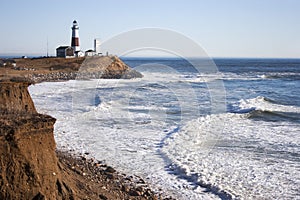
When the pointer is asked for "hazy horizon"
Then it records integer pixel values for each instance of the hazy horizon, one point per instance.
(17, 55)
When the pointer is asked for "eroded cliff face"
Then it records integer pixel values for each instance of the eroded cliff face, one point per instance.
(106, 67)
(28, 166)
(15, 98)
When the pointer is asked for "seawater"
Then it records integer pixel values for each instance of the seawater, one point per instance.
(162, 128)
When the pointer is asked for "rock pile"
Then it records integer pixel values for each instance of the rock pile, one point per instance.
(110, 184)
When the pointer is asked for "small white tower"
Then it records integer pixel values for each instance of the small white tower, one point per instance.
(75, 37)
(97, 46)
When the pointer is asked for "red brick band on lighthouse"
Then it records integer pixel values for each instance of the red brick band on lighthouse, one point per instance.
(75, 37)
(75, 42)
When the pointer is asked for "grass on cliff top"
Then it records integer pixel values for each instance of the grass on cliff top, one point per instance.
(52, 63)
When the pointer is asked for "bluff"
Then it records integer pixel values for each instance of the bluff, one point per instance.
(15, 98)
(29, 166)
(60, 69)
(106, 67)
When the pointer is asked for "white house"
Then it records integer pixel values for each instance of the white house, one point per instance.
(90, 52)
(79, 54)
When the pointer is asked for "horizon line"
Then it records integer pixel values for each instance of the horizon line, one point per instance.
(34, 55)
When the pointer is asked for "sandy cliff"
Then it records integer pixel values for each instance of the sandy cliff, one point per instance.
(29, 166)
(106, 67)
(14, 98)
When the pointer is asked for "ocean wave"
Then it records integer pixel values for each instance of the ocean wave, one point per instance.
(234, 156)
(228, 76)
(273, 116)
(263, 108)
(283, 75)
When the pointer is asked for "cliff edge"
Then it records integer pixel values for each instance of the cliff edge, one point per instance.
(29, 166)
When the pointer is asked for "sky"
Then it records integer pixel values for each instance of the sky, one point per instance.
(223, 28)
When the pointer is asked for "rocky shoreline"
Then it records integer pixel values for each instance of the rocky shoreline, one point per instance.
(100, 181)
(65, 76)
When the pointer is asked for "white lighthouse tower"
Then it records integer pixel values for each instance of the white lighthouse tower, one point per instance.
(75, 37)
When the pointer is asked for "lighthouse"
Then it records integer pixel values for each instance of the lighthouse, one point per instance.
(75, 37)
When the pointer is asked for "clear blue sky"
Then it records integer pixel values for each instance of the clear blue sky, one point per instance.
(224, 28)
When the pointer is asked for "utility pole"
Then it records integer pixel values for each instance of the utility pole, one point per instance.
(47, 48)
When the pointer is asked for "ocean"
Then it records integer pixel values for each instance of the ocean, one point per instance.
(195, 133)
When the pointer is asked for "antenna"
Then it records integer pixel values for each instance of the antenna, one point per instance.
(47, 47)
